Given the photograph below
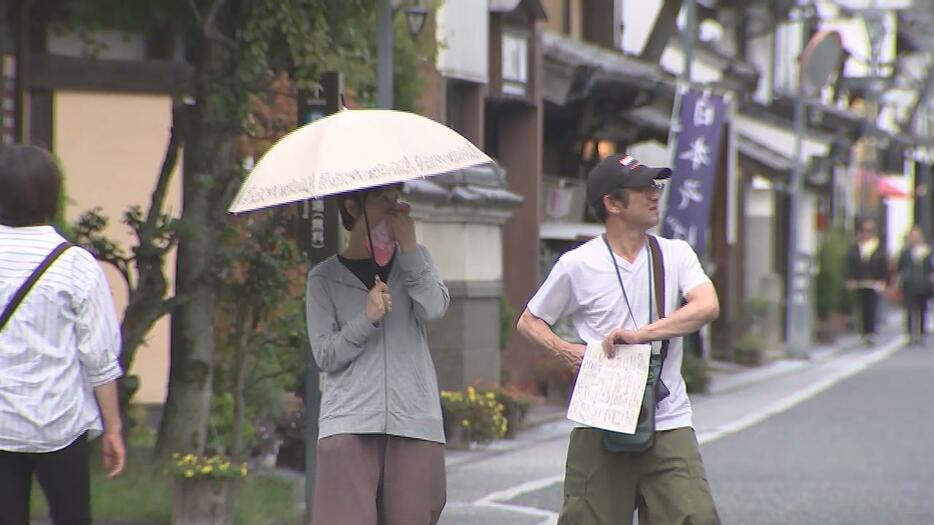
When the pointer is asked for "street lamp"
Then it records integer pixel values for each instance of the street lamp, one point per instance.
(415, 16)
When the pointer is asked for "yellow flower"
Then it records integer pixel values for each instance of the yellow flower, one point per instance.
(465, 423)
(189, 473)
(207, 469)
(243, 470)
(176, 455)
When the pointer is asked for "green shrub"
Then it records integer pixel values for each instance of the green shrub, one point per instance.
(830, 282)
(507, 318)
(696, 373)
(480, 415)
(516, 404)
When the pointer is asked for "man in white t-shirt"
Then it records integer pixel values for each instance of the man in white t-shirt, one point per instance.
(667, 482)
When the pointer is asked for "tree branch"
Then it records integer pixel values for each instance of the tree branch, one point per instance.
(169, 305)
(255, 381)
(157, 200)
(212, 15)
(195, 12)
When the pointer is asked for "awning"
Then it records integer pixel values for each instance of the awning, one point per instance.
(654, 120)
(572, 67)
(763, 155)
(508, 6)
(481, 186)
(569, 231)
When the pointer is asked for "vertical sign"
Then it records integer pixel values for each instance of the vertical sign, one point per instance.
(320, 220)
(692, 186)
(8, 103)
(318, 236)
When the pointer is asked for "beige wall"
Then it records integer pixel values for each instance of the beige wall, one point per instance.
(111, 147)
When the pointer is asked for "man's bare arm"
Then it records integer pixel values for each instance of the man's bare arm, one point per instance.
(702, 307)
(537, 331)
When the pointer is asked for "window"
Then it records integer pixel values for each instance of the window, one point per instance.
(515, 62)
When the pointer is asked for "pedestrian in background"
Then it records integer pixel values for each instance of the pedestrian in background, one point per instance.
(611, 288)
(916, 278)
(867, 274)
(380, 455)
(59, 342)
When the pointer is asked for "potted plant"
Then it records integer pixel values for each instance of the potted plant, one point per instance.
(202, 489)
(516, 404)
(471, 417)
(556, 378)
(747, 350)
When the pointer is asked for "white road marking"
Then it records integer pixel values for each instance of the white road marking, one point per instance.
(497, 499)
(799, 397)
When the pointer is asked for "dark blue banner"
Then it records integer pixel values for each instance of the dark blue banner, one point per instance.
(694, 173)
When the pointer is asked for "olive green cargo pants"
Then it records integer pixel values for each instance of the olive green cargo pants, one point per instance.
(667, 483)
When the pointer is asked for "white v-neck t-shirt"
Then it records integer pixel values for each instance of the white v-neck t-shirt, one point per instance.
(583, 286)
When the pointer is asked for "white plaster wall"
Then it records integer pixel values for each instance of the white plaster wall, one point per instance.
(111, 148)
(761, 51)
(807, 227)
(760, 203)
(464, 251)
(462, 34)
(673, 62)
(759, 243)
(638, 21)
(778, 138)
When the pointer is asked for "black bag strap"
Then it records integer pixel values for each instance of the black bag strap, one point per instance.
(658, 272)
(26, 286)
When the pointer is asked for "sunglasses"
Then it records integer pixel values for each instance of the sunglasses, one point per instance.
(652, 187)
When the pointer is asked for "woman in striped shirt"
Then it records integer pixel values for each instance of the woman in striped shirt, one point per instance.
(58, 351)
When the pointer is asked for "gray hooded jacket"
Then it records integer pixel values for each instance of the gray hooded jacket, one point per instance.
(380, 379)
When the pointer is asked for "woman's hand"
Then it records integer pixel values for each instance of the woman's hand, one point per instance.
(403, 227)
(378, 301)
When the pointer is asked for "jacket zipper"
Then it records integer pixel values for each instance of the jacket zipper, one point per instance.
(385, 382)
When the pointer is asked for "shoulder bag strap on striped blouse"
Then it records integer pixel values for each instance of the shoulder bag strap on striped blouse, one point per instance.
(26, 286)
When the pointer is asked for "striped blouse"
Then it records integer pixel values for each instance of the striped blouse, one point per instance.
(60, 343)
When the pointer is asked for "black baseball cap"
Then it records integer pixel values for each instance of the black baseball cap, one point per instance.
(620, 171)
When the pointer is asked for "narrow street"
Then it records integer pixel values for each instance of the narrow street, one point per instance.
(843, 438)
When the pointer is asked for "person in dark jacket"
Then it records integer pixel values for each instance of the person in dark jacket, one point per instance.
(867, 273)
(915, 273)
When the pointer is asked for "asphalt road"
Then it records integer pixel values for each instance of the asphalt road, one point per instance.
(848, 439)
(862, 452)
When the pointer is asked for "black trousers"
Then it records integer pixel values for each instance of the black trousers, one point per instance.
(916, 309)
(868, 306)
(64, 476)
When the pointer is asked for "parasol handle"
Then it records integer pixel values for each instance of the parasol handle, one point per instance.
(369, 238)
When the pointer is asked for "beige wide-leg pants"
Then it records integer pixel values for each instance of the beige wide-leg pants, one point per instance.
(377, 479)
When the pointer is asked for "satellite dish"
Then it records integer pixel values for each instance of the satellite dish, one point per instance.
(820, 59)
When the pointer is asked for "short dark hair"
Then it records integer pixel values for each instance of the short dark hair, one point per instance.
(30, 186)
(620, 194)
(347, 220)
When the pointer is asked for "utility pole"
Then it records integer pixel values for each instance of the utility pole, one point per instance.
(318, 237)
(797, 344)
(384, 53)
(875, 28)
